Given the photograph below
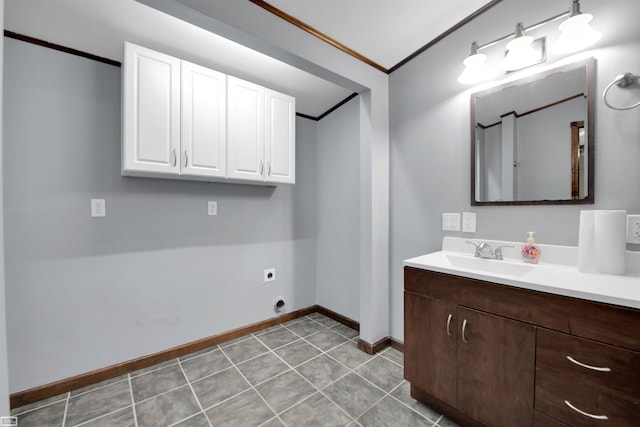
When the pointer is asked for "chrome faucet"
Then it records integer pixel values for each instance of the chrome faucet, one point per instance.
(484, 250)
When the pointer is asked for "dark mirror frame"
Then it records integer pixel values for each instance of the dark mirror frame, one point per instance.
(590, 64)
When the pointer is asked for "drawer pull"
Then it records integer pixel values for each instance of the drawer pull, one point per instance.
(595, 417)
(449, 324)
(464, 328)
(594, 368)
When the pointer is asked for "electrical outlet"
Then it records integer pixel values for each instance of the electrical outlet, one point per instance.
(633, 229)
(269, 275)
(212, 207)
(98, 208)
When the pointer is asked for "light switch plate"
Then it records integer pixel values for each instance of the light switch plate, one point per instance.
(468, 222)
(633, 229)
(450, 222)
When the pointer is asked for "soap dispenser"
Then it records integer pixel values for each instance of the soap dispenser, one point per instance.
(530, 250)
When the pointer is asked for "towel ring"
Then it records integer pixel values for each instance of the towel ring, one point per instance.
(622, 81)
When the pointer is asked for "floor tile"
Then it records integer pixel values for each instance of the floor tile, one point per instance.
(350, 355)
(297, 352)
(394, 355)
(278, 338)
(262, 368)
(205, 365)
(234, 341)
(285, 390)
(322, 371)
(247, 409)
(166, 409)
(273, 422)
(99, 385)
(345, 330)
(403, 394)
(245, 350)
(391, 413)
(316, 411)
(265, 331)
(153, 367)
(98, 402)
(326, 340)
(39, 404)
(382, 372)
(354, 394)
(51, 415)
(306, 327)
(157, 382)
(446, 422)
(121, 418)
(216, 388)
(199, 420)
(198, 353)
(325, 321)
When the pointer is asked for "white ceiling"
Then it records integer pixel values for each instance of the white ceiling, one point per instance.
(385, 31)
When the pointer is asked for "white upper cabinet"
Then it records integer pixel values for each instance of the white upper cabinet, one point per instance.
(182, 120)
(245, 143)
(204, 127)
(151, 119)
(280, 137)
(261, 139)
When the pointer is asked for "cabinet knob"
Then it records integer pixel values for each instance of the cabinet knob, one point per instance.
(449, 324)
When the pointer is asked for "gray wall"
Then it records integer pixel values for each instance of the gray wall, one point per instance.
(429, 116)
(339, 210)
(85, 293)
(4, 372)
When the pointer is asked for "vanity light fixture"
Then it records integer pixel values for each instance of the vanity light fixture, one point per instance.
(476, 69)
(576, 34)
(520, 53)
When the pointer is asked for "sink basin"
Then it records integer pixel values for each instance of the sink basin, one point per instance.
(488, 265)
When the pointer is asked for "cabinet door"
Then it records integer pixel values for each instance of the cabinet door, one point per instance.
(245, 130)
(430, 345)
(204, 121)
(280, 137)
(151, 112)
(496, 369)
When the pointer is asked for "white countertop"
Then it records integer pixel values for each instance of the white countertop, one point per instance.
(556, 273)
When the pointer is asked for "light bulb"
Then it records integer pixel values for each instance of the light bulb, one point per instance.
(576, 34)
(475, 68)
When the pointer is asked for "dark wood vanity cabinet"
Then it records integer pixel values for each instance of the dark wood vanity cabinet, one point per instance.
(492, 355)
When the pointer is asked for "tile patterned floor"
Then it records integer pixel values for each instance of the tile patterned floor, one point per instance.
(307, 372)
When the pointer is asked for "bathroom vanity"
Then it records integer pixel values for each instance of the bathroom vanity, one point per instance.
(492, 344)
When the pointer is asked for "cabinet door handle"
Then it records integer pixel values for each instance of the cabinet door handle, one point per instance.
(595, 368)
(186, 158)
(175, 157)
(464, 328)
(269, 168)
(449, 324)
(261, 167)
(586, 414)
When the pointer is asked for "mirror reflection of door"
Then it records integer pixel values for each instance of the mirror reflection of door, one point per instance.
(577, 160)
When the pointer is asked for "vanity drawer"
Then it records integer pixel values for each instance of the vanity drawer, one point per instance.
(599, 379)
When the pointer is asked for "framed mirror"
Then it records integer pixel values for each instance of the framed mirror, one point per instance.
(532, 139)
